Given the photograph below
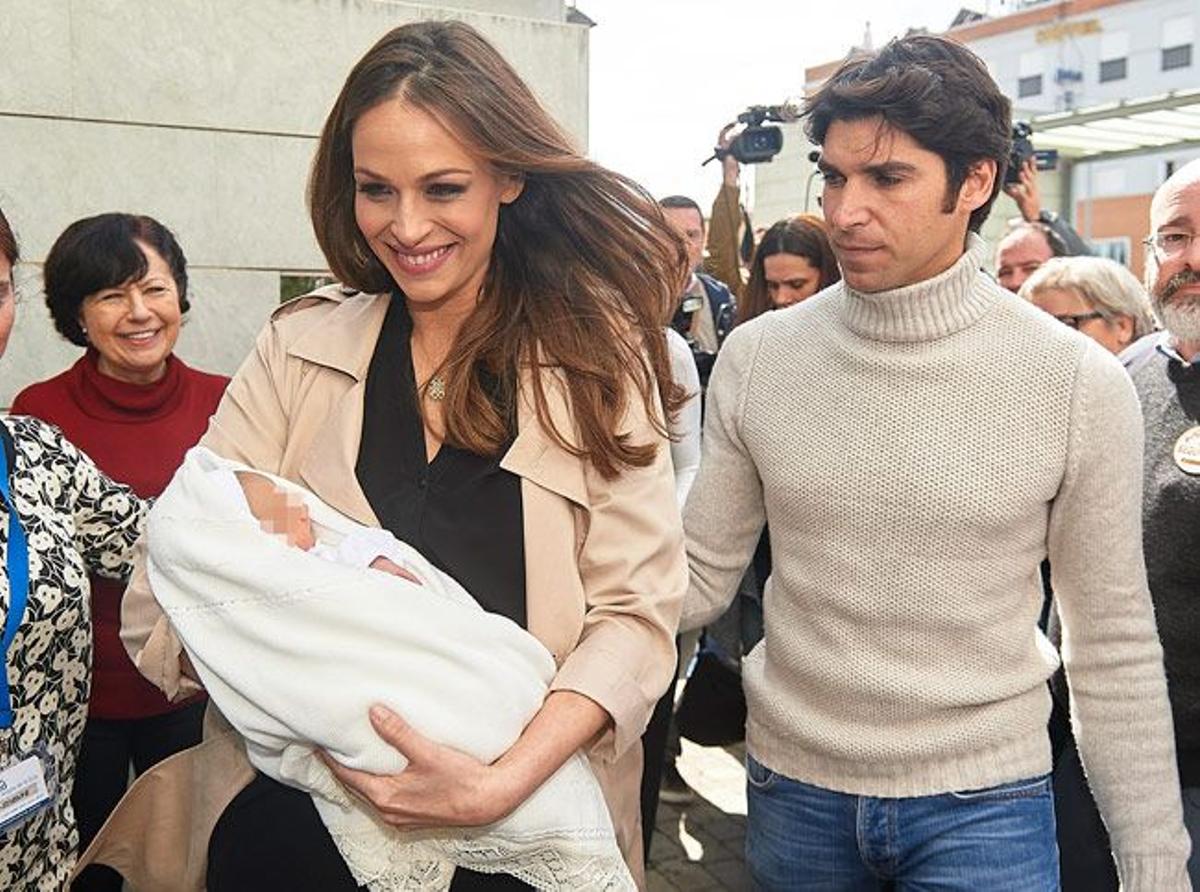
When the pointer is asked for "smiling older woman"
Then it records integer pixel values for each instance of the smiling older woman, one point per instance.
(117, 285)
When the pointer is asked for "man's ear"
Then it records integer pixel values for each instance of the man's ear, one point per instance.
(977, 187)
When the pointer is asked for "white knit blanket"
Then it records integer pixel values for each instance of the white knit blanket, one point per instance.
(294, 649)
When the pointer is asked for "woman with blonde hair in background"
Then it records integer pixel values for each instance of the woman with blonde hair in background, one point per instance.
(1094, 295)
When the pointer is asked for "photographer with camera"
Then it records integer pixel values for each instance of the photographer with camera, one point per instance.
(730, 236)
(1041, 234)
(747, 140)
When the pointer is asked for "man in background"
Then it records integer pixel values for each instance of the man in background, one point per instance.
(1165, 368)
(1041, 235)
(704, 316)
(707, 309)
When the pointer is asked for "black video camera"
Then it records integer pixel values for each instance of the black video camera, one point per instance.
(759, 142)
(1023, 150)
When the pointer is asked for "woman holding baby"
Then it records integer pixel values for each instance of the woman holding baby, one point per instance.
(492, 392)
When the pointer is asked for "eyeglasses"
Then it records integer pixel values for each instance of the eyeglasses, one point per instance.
(1074, 320)
(1169, 244)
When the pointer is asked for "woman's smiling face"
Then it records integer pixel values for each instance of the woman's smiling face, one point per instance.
(427, 206)
(134, 325)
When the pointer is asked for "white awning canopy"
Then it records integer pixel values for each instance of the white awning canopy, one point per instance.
(1128, 127)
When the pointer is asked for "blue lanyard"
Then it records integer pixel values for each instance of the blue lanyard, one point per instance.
(18, 590)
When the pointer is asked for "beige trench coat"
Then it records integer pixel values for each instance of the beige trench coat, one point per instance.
(605, 576)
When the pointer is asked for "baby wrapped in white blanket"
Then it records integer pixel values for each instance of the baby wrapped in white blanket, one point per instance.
(295, 646)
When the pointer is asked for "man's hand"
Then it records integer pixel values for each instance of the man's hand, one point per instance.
(1025, 191)
(730, 169)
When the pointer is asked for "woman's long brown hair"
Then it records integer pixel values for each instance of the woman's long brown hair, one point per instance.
(803, 235)
(583, 272)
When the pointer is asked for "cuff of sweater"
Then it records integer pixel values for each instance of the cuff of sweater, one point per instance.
(160, 662)
(1153, 873)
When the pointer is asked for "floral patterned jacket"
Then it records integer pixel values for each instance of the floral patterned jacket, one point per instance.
(75, 520)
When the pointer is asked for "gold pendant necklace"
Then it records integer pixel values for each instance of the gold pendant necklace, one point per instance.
(435, 388)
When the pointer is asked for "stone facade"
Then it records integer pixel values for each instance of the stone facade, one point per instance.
(205, 115)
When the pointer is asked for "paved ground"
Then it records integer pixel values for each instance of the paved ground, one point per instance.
(699, 846)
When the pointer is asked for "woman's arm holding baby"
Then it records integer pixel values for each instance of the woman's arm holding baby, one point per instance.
(442, 787)
(149, 640)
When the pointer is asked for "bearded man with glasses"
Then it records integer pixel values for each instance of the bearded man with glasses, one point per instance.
(1166, 371)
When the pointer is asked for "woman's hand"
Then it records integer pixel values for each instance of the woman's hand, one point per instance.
(441, 787)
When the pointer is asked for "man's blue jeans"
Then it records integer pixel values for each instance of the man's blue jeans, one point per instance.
(801, 837)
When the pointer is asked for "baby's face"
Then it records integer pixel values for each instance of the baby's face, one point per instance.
(278, 512)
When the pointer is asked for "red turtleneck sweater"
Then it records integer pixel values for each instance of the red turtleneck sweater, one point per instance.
(136, 434)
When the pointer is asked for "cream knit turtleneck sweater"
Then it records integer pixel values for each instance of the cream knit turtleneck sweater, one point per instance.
(917, 453)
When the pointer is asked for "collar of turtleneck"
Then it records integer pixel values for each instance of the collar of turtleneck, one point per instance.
(948, 303)
(108, 399)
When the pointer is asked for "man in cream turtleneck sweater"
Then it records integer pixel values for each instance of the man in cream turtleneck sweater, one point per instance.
(918, 440)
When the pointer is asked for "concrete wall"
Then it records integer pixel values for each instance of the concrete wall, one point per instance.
(205, 115)
(780, 187)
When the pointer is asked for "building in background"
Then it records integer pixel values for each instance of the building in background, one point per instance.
(205, 115)
(1110, 83)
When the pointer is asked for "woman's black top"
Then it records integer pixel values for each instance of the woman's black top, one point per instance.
(462, 510)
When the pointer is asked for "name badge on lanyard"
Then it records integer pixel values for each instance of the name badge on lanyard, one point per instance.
(25, 783)
(1187, 451)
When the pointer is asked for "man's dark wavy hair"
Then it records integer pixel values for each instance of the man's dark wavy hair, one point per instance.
(935, 90)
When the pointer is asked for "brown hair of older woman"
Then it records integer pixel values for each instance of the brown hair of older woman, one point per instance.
(582, 265)
(803, 235)
(8, 241)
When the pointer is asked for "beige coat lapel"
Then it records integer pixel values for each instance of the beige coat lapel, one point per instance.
(328, 469)
(534, 455)
(344, 348)
(555, 501)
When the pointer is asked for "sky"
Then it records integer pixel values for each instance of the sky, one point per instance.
(667, 74)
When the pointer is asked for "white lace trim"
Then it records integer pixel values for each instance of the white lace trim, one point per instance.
(552, 864)
(558, 840)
